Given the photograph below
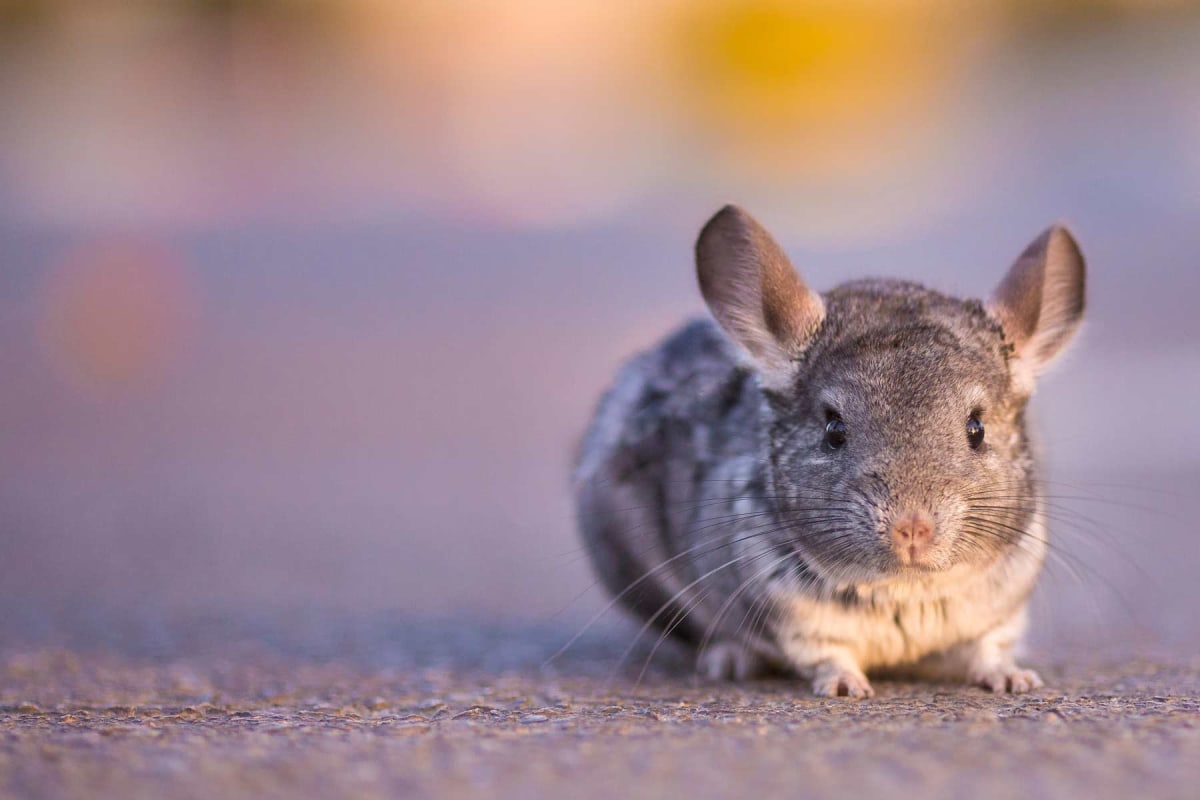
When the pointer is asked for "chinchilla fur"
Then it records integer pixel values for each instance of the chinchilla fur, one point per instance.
(832, 485)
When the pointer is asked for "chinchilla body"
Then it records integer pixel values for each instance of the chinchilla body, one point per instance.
(832, 484)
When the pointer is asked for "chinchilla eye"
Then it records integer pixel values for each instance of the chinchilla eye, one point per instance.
(835, 434)
(974, 432)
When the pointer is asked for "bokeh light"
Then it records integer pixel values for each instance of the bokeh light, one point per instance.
(114, 313)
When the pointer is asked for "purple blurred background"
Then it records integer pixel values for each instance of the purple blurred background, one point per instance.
(303, 304)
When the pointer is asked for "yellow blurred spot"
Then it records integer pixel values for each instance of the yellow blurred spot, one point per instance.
(778, 47)
(820, 89)
(114, 311)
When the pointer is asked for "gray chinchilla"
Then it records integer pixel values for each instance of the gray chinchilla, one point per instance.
(832, 484)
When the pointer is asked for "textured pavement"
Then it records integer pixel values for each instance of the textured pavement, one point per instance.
(407, 710)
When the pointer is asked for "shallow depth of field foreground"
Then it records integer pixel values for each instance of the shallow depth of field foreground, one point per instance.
(385, 710)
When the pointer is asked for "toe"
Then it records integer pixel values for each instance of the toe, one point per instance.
(1024, 680)
(716, 664)
(727, 661)
(1014, 681)
(855, 687)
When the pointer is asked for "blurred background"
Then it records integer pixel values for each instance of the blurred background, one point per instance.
(303, 303)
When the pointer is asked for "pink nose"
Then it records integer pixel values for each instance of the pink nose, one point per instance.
(912, 535)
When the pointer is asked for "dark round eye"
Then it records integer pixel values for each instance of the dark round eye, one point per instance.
(974, 432)
(835, 434)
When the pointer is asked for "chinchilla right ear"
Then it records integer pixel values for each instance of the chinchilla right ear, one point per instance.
(756, 294)
(1040, 302)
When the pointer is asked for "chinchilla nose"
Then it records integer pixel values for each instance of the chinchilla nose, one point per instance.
(912, 535)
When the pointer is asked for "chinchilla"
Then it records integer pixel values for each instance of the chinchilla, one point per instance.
(832, 484)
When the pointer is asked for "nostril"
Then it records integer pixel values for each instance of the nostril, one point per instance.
(912, 530)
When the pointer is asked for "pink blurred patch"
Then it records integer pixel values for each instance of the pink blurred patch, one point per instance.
(114, 313)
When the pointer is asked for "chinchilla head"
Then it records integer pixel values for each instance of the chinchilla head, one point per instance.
(894, 427)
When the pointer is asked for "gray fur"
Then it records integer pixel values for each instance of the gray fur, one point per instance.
(713, 510)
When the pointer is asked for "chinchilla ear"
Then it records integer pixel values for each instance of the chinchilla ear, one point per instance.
(1039, 304)
(755, 294)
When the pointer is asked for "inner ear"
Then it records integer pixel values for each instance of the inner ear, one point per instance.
(1040, 302)
(755, 293)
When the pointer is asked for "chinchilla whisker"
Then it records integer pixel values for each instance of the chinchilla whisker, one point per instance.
(1051, 549)
(673, 599)
(728, 605)
(685, 610)
(1068, 524)
(839, 549)
(710, 629)
(765, 604)
(649, 573)
(1091, 577)
(996, 493)
(683, 613)
(1053, 555)
(709, 523)
(633, 585)
(1072, 562)
(1079, 522)
(762, 609)
(758, 617)
(795, 490)
(768, 529)
(690, 606)
(1084, 486)
(685, 505)
(725, 520)
(716, 523)
(1060, 552)
(1055, 498)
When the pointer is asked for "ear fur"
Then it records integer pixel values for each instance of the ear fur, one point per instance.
(1040, 302)
(755, 294)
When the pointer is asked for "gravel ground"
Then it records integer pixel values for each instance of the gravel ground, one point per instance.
(386, 710)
